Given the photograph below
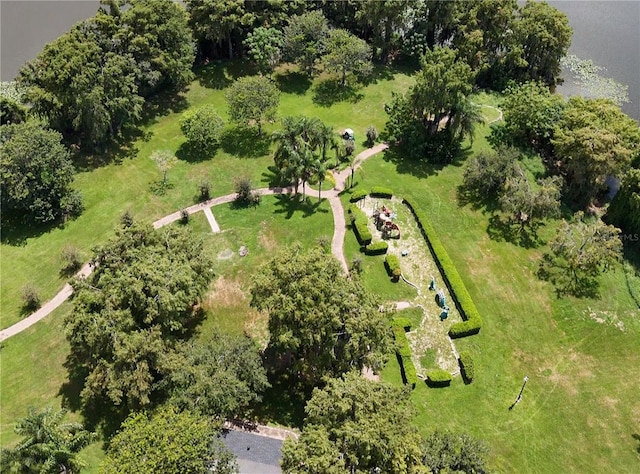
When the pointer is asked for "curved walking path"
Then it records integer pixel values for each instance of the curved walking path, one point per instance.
(337, 241)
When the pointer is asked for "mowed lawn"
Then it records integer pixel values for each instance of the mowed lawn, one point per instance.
(128, 183)
(580, 411)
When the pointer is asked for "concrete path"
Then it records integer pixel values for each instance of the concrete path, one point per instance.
(336, 242)
(215, 228)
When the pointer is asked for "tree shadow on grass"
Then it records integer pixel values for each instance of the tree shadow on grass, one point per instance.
(293, 82)
(331, 91)
(502, 229)
(561, 278)
(406, 165)
(221, 74)
(16, 232)
(636, 436)
(476, 199)
(289, 204)
(194, 154)
(283, 403)
(245, 142)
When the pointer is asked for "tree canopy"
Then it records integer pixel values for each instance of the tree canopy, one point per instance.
(264, 47)
(220, 378)
(304, 38)
(445, 452)
(355, 425)
(141, 298)
(253, 100)
(624, 210)
(320, 321)
(36, 174)
(202, 127)
(594, 139)
(48, 446)
(170, 442)
(344, 53)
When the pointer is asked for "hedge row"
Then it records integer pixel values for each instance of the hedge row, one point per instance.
(376, 248)
(357, 195)
(472, 321)
(360, 225)
(392, 264)
(438, 378)
(403, 351)
(402, 322)
(466, 366)
(381, 192)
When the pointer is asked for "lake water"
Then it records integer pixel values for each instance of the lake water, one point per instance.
(608, 32)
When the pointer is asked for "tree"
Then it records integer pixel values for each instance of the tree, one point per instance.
(624, 210)
(425, 118)
(140, 300)
(202, 127)
(544, 34)
(321, 322)
(219, 21)
(264, 47)
(170, 442)
(579, 252)
(346, 53)
(355, 425)
(85, 83)
(165, 159)
(36, 173)
(385, 19)
(157, 35)
(304, 38)
(527, 206)
(594, 139)
(48, 446)
(253, 99)
(485, 175)
(220, 378)
(531, 113)
(444, 452)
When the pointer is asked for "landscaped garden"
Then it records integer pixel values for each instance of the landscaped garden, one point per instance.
(475, 276)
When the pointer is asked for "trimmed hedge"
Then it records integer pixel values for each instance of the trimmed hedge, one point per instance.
(360, 225)
(466, 366)
(357, 195)
(402, 322)
(376, 248)
(438, 378)
(403, 352)
(381, 192)
(392, 264)
(472, 321)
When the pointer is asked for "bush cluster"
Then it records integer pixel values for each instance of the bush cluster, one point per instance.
(472, 321)
(403, 352)
(376, 248)
(438, 378)
(357, 195)
(360, 227)
(466, 366)
(392, 263)
(381, 192)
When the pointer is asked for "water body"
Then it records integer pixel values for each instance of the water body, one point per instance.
(608, 32)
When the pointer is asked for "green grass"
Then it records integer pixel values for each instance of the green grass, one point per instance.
(128, 183)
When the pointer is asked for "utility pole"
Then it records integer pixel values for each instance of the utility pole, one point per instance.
(520, 394)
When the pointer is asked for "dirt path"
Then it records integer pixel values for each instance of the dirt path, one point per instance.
(336, 242)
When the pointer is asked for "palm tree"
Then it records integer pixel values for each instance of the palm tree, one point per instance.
(464, 118)
(320, 170)
(48, 446)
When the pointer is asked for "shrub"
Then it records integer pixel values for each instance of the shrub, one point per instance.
(126, 219)
(381, 192)
(184, 216)
(402, 322)
(403, 353)
(466, 366)
(360, 225)
(30, 297)
(452, 279)
(202, 127)
(376, 248)
(71, 259)
(438, 378)
(372, 135)
(204, 189)
(72, 204)
(349, 147)
(356, 265)
(357, 195)
(246, 196)
(392, 264)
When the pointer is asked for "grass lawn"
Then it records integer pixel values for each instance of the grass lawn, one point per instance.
(580, 409)
(33, 257)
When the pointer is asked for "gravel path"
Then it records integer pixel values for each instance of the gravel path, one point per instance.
(336, 242)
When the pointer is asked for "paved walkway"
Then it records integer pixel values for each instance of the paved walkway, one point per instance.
(336, 243)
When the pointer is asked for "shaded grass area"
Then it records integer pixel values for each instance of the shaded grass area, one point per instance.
(581, 371)
(125, 178)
